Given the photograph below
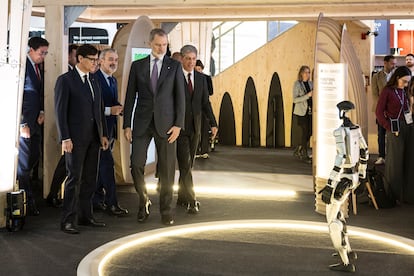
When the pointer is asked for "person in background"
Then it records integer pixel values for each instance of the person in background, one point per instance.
(302, 99)
(105, 193)
(379, 80)
(394, 114)
(197, 103)
(204, 146)
(32, 117)
(158, 83)
(409, 62)
(82, 130)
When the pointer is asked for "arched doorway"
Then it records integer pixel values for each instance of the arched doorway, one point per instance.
(227, 133)
(250, 123)
(275, 125)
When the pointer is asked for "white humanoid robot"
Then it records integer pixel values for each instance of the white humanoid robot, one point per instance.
(350, 166)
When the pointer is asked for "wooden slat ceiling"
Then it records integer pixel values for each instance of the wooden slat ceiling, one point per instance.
(219, 10)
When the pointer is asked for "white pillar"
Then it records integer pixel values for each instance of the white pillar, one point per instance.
(15, 14)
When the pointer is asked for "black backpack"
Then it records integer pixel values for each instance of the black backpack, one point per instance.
(380, 188)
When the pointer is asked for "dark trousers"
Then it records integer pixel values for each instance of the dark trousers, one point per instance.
(58, 177)
(381, 140)
(205, 135)
(29, 154)
(398, 165)
(186, 149)
(304, 122)
(106, 180)
(82, 167)
(166, 153)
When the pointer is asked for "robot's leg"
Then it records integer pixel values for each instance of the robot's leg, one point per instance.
(339, 240)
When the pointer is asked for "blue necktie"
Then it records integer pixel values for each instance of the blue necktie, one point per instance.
(112, 85)
(154, 76)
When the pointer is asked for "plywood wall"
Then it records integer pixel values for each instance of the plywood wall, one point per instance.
(284, 55)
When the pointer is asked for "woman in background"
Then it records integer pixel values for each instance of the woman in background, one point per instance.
(394, 114)
(302, 110)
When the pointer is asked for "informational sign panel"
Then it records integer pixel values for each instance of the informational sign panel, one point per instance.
(331, 89)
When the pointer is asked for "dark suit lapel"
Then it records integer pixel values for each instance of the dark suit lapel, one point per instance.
(166, 67)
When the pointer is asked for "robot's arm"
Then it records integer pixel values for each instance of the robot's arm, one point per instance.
(340, 158)
(363, 156)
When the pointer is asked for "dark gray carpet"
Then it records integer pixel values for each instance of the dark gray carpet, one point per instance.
(42, 249)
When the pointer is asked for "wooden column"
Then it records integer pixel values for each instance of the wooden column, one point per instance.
(55, 65)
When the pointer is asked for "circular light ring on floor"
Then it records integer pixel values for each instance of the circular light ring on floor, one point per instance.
(94, 263)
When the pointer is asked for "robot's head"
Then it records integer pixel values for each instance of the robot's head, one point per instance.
(344, 107)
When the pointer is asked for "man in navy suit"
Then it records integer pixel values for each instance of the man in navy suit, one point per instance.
(105, 194)
(32, 118)
(60, 171)
(197, 104)
(156, 85)
(82, 131)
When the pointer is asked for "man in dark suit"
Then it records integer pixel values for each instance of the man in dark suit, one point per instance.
(82, 131)
(156, 85)
(204, 144)
(105, 194)
(197, 103)
(32, 118)
(60, 171)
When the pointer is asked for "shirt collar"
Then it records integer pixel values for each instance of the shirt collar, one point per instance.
(186, 73)
(154, 57)
(81, 73)
(105, 74)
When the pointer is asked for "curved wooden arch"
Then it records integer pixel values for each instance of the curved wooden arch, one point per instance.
(275, 123)
(227, 134)
(250, 121)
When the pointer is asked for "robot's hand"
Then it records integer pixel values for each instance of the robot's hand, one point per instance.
(326, 194)
(343, 185)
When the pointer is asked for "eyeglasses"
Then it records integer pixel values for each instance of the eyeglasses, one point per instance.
(93, 60)
(42, 53)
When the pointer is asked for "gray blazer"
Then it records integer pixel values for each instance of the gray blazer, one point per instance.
(300, 98)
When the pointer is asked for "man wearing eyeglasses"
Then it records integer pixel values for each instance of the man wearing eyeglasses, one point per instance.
(82, 130)
(32, 118)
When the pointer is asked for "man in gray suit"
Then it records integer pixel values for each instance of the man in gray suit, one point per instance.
(157, 83)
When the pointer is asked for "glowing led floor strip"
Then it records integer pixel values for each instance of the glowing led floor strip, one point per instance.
(94, 263)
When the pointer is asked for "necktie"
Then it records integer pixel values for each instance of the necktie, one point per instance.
(190, 84)
(154, 76)
(112, 85)
(37, 71)
(88, 85)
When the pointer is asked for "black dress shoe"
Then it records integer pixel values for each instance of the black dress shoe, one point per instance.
(54, 202)
(167, 219)
(193, 207)
(32, 209)
(69, 228)
(143, 212)
(91, 222)
(117, 210)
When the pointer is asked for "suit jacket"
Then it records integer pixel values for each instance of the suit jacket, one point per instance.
(78, 115)
(197, 104)
(379, 80)
(109, 99)
(167, 106)
(300, 98)
(32, 97)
